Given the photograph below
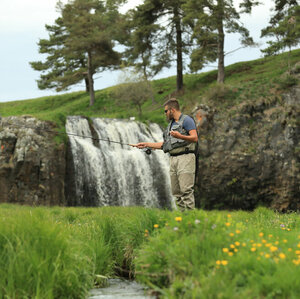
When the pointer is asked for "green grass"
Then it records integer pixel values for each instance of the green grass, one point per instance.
(221, 255)
(56, 252)
(245, 81)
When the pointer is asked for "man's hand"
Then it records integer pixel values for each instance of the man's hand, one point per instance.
(176, 134)
(140, 145)
(192, 137)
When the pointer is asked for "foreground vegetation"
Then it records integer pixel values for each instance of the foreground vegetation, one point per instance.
(56, 252)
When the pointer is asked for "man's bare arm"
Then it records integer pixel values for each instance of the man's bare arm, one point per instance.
(154, 145)
(192, 137)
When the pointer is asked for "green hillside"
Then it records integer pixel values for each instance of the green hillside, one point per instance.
(245, 81)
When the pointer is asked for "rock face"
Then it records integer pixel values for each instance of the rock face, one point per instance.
(32, 166)
(250, 156)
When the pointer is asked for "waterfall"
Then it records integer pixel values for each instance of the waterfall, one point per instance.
(112, 174)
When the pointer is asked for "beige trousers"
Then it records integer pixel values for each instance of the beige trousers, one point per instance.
(182, 173)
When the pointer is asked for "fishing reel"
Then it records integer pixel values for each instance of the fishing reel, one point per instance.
(147, 150)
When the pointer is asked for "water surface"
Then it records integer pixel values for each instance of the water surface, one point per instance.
(119, 288)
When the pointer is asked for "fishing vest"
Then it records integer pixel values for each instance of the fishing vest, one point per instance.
(175, 146)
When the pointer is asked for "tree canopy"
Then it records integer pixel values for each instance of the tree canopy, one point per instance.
(154, 35)
(80, 44)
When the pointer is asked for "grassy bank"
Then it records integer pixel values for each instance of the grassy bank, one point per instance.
(245, 81)
(56, 252)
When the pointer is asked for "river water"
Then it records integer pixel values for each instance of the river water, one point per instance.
(119, 288)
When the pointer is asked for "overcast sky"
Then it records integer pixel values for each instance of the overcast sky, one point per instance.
(22, 24)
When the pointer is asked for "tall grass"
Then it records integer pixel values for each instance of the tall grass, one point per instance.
(56, 252)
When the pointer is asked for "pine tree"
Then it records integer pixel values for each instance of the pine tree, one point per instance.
(284, 28)
(157, 34)
(210, 20)
(81, 43)
(59, 71)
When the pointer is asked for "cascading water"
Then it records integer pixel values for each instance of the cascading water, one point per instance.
(107, 173)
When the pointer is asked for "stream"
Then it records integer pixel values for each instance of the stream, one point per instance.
(118, 288)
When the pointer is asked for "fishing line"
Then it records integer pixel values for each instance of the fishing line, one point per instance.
(148, 150)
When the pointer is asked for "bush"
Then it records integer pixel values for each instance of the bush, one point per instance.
(287, 81)
(219, 93)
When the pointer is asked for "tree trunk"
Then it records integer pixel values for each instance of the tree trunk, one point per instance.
(221, 38)
(90, 80)
(86, 80)
(179, 46)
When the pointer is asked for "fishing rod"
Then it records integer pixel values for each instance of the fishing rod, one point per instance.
(147, 150)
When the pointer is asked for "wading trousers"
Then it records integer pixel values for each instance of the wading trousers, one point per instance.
(182, 173)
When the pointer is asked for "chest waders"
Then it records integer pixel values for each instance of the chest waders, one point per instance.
(175, 146)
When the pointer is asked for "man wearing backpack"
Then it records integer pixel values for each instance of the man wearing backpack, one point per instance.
(180, 141)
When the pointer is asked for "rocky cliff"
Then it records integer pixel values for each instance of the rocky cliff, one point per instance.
(32, 166)
(250, 155)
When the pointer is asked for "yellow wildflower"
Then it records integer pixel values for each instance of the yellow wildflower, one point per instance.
(236, 250)
(155, 225)
(146, 231)
(244, 244)
(237, 243)
(273, 248)
(285, 241)
(261, 234)
(298, 245)
(267, 255)
(282, 255)
(218, 262)
(270, 236)
(178, 219)
(276, 243)
(268, 245)
(225, 249)
(227, 223)
(232, 246)
(231, 234)
(297, 252)
(228, 215)
(290, 249)
(230, 253)
(224, 262)
(238, 231)
(258, 245)
(296, 262)
(263, 241)
(253, 249)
